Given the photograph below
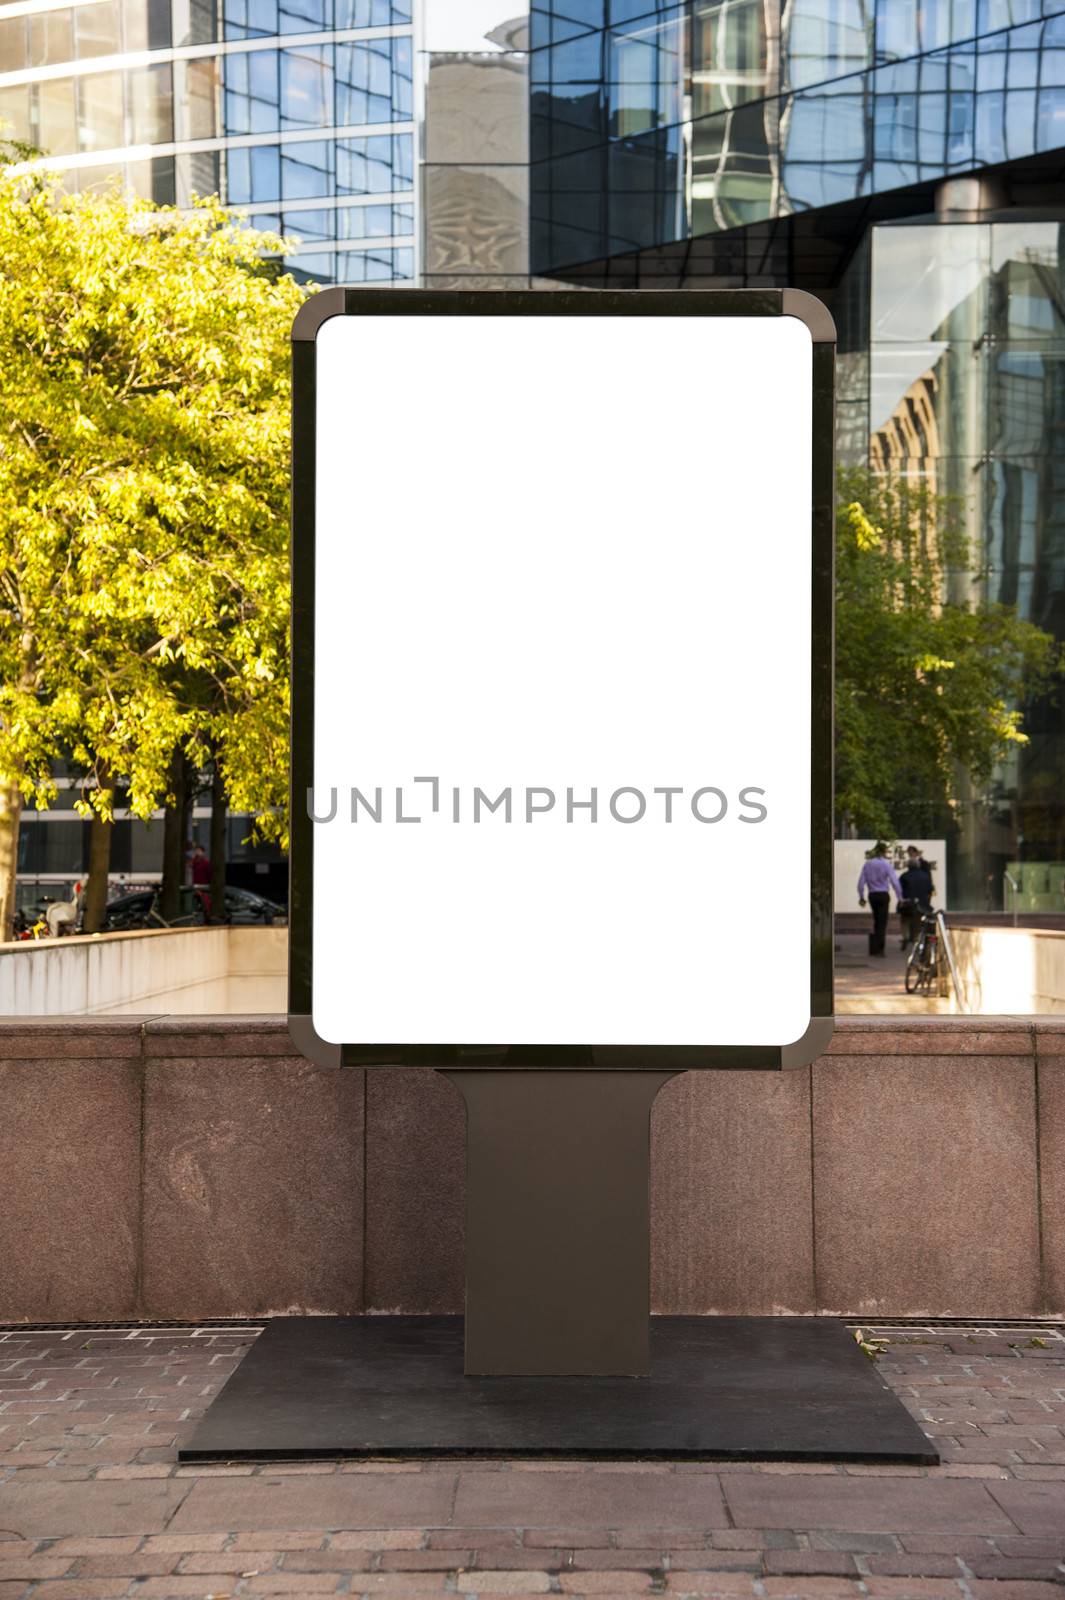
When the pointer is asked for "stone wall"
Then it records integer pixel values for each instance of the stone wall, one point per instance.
(191, 1168)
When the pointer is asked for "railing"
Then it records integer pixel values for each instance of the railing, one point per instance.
(948, 950)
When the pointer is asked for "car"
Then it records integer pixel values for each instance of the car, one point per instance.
(140, 909)
(127, 911)
(242, 907)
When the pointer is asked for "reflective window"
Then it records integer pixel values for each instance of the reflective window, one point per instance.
(375, 266)
(151, 91)
(15, 112)
(307, 86)
(645, 66)
(377, 164)
(310, 267)
(98, 29)
(201, 86)
(51, 39)
(729, 55)
(304, 16)
(56, 120)
(252, 90)
(1028, 277)
(253, 175)
(373, 81)
(309, 225)
(826, 39)
(145, 24)
(930, 282)
(367, 222)
(13, 44)
(250, 19)
(100, 119)
(203, 22)
(306, 169)
(372, 13)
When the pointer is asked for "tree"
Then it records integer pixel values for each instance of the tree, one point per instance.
(924, 683)
(143, 502)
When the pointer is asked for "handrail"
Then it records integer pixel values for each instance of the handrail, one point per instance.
(944, 934)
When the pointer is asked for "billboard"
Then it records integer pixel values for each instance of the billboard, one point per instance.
(562, 647)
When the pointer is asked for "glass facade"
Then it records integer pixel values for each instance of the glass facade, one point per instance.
(654, 123)
(960, 382)
(902, 160)
(299, 112)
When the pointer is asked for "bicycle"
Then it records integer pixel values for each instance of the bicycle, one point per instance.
(924, 967)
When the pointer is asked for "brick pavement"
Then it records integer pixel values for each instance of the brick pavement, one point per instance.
(94, 1507)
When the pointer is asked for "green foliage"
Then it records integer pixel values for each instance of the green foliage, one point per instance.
(924, 682)
(143, 496)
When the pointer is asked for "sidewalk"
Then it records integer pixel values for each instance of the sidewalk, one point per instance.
(877, 984)
(93, 1507)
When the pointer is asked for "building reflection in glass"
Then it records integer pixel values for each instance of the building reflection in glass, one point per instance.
(300, 112)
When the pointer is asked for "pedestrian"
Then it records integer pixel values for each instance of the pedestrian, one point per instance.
(917, 889)
(876, 878)
(200, 865)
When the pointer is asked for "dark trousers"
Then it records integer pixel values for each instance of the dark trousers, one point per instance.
(879, 900)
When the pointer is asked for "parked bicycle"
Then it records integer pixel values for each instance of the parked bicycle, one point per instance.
(925, 965)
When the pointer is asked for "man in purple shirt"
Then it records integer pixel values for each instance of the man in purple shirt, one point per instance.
(876, 878)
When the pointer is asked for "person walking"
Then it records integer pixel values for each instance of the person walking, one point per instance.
(878, 879)
(918, 889)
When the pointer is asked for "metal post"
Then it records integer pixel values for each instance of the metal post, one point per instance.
(558, 1221)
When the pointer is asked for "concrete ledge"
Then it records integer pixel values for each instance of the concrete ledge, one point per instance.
(191, 1167)
(146, 970)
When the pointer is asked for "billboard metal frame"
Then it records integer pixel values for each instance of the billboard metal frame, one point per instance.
(568, 1056)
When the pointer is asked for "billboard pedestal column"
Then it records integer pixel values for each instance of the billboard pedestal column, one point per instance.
(558, 1228)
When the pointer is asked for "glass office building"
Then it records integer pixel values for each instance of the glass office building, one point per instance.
(904, 160)
(300, 112)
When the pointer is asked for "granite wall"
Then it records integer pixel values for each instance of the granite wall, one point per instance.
(189, 1168)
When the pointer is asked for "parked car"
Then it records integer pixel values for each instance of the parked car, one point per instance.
(244, 907)
(141, 910)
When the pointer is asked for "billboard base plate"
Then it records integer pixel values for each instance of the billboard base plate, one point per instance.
(766, 1388)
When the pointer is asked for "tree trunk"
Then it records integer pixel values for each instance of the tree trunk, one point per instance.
(174, 841)
(100, 836)
(10, 817)
(217, 849)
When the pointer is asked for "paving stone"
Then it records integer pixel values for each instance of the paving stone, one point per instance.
(1050, 1568)
(914, 1566)
(405, 1501)
(796, 1563)
(888, 1505)
(914, 1588)
(502, 1559)
(407, 1560)
(569, 1538)
(35, 1567)
(813, 1588)
(48, 1510)
(714, 1561)
(993, 1589)
(1037, 1508)
(605, 1582)
(277, 1540)
(712, 1585)
(541, 1499)
(508, 1582)
(295, 1583)
(621, 1559)
(855, 1542)
(141, 1565)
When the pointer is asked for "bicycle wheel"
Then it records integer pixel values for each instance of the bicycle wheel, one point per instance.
(913, 967)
